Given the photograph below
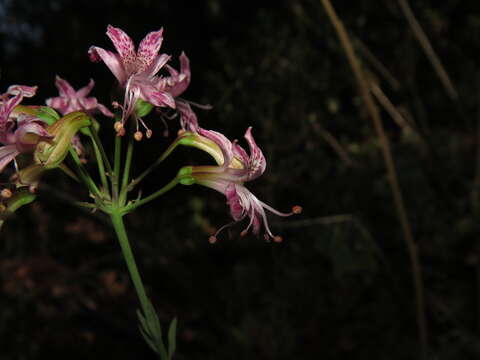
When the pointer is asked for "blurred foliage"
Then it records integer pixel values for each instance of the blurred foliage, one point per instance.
(340, 284)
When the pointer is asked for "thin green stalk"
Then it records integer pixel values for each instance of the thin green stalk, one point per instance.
(153, 196)
(100, 163)
(116, 166)
(126, 171)
(157, 162)
(391, 175)
(83, 174)
(96, 139)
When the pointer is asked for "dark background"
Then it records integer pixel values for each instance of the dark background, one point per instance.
(340, 283)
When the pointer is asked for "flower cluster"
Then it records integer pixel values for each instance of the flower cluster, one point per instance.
(136, 72)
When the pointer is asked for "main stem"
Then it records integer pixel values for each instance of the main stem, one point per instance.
(119, 227)
(391, 173)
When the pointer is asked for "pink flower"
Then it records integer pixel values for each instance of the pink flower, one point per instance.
(19, 132)
(71, 100)
(135, 71)
(234, 168)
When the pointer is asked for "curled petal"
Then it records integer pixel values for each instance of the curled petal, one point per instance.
(112, 61)
(188, 119)
(222, 142)
(180, 81)
(25, 91)
(257, 162)
(156, 65)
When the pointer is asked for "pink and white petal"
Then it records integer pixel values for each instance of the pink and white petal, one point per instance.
(64, 87)
(156, 65)
(84, 91)
(182, 79)
(148, 49)
(222, 142)
(104, 110)
(87, 104)
(58, 103)
(188, 119)
(113, 62)
(237, 210)
(156, 97)
(257, 163)
(7, 106)
(7, 154)
(25, 91)
(240, 154)
(124, 45)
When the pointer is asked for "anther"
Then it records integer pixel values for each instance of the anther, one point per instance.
(277, 239)
(297, 209)
(118, 126)
(244, 232)
(138, 135)
(148, 133)
(116, 105)
(212, 239)
(6, 193)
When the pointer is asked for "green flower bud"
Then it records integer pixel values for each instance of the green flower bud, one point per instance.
(51, 153)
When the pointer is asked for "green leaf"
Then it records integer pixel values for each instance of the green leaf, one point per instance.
(143, 108)
(172, 333)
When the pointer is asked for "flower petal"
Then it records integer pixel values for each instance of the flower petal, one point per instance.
(84, 91)
(7, 154)
(124, 45)
(222, 142)
(26, 91)
(64, 88)
(257, 162)
(110, 59)
(148, 49)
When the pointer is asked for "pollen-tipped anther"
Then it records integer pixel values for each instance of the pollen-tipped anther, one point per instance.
(297, 209)
(6, 193)
(148, 133)
(244, 233)
(212, 239)
(277, 239)
(138, 136)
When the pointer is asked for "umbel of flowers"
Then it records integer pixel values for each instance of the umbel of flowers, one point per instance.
(37, 138)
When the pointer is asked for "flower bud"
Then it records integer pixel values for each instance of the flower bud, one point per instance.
(51, 153)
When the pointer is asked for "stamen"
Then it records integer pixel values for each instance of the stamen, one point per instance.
(149, 133)
(138, 135)
(212, 239)
(6, 193)
(277, 239)
(297, 209)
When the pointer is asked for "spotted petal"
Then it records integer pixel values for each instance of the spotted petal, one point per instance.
(148, 49)
(124, 45)
(113, 62)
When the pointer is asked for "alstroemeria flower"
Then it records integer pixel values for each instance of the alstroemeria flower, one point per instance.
(135, 70)
(71, 100)
(19, 132)
(235, 166)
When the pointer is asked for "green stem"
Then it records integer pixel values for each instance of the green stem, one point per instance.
(126, 171)
(83, 174)
(116, 166)
(100, 162)
(157, 162)
(119, 227)
(96, 139)
(153, 196)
